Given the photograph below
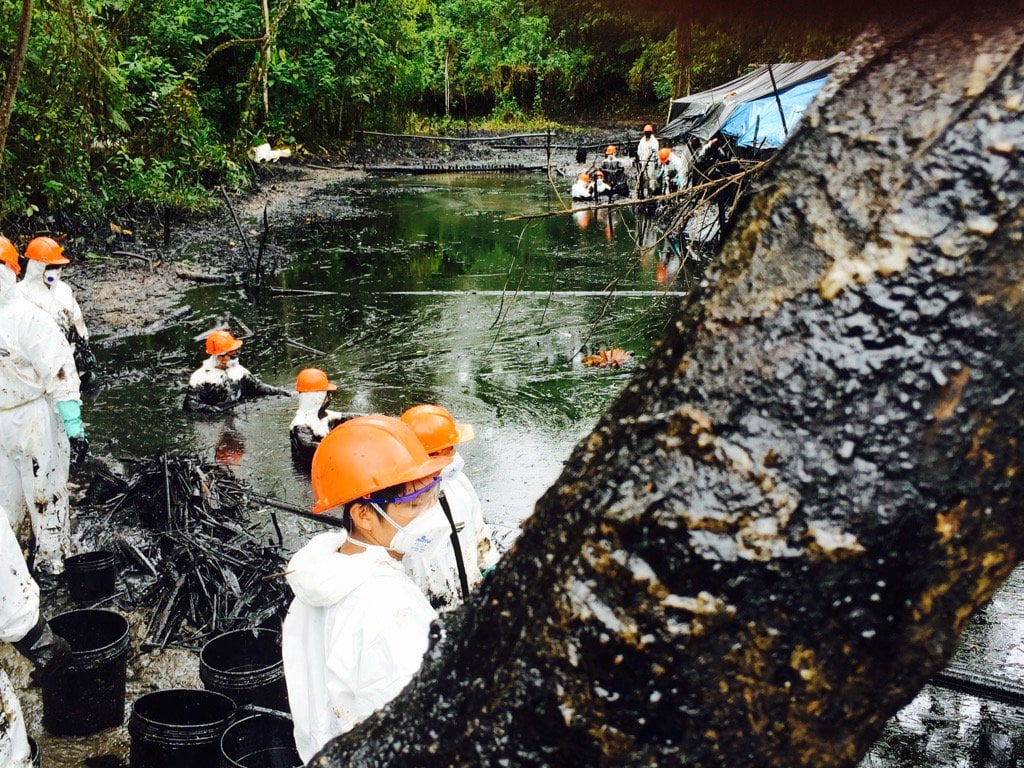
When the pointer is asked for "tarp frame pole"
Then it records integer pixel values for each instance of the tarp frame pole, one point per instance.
(778, 100)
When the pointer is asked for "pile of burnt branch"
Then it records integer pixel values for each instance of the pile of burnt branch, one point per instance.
(181, 528)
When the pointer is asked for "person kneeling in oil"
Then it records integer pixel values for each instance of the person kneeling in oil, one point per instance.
(458, 567)
(221, 382)
(356, 632)
(313, 420)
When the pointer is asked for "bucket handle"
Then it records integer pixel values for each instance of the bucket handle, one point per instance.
(255, 709)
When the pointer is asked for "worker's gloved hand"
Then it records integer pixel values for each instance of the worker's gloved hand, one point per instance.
(49, 653)
(487, 571)
(79, 450)
(71, 414)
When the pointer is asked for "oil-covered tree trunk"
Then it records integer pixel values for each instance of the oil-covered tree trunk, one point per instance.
(777, 532)
(13, 77)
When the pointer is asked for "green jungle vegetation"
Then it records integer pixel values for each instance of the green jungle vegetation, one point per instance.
(148, 105)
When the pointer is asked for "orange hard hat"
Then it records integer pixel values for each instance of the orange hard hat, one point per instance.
(648, 127)
(435, 427)
(9, 255)
(585, 178)
(46, 250)
(663, 154)
(610, 149)
(313, 380)
(221, 342)
(368, 454)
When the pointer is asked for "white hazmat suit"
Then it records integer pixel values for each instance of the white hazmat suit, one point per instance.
(44, 288)
(37, 377)
(582, 190)
(212, 389)
(353, 638)
(438, 576)
(19, 612)
(311, 424)
(675, 173)
(647, 164)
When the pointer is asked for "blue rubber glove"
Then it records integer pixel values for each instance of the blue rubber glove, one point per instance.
(71, 414)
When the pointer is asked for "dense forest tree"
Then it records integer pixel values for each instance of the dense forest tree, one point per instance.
(149, 105)
(775, 535)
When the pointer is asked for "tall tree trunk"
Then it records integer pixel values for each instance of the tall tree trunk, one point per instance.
(265, 60)
(684, 53)
(775, 535)
(14, 74)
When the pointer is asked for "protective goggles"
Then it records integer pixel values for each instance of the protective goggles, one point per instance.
(407, 497)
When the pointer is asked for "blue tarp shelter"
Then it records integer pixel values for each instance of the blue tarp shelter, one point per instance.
(703, 114)
(758, 123)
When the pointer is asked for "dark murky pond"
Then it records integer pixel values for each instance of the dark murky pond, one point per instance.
(433, 296)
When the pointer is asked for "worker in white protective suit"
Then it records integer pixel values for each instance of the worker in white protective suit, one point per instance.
(221, 382)
(646, 162)
(21, 624)
(313, 420)
(42, 285)
(443, 580)
(40, 420)
(582, 188)
(358, 628)
(673, 171)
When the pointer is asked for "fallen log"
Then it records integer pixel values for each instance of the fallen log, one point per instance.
(774, 537)
(199, 277)
(424, 170)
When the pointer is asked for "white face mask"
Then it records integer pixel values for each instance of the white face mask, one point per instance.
(51, 276)
(454, 468)
(423, 536)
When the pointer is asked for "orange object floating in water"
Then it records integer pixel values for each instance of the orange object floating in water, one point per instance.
(609, 358)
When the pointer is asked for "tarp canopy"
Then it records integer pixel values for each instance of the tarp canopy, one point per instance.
(703, 114)
(758, 124)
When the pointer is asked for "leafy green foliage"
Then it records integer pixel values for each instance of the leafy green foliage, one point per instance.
(151, 103)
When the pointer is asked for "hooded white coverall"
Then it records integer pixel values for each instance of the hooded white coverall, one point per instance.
(647, 163)
(19, 612)
(212, 389)
(353, 638)
(438, 576)
(59, 302)
(37, 371)
(647, 153)
(675, 174)
(57, 299)
(582, 190)
(311, 424)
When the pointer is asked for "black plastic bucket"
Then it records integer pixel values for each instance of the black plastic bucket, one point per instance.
(90, 576)
(178, 728)
(33, 754)
(260, 741)
(88, 696)
(246, 665)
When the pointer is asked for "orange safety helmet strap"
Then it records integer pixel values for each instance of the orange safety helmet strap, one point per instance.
(368, 454)
(47, 250)
(9, 255)
(221, 343)
(313, 380)
(436, 428)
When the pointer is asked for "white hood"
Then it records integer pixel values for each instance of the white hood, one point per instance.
(320, 575)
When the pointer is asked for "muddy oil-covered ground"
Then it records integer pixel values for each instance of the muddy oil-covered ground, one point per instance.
(418, 289)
